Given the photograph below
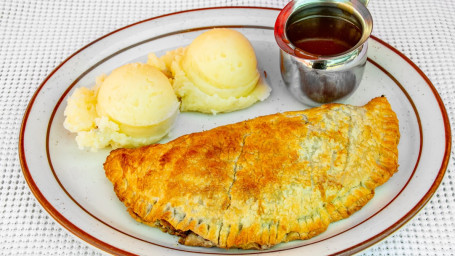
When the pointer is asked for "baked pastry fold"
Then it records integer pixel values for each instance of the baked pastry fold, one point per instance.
(263, 181)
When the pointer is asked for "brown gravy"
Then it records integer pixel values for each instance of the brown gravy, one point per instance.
(323, 35)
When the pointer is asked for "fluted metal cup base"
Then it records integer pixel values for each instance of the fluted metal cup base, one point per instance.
(314, 87)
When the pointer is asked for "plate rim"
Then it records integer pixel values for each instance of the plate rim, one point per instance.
(99, 244)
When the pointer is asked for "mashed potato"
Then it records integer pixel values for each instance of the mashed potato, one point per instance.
(135, 105)
(217, 72)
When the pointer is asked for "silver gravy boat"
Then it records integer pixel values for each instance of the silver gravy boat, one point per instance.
(313, 78)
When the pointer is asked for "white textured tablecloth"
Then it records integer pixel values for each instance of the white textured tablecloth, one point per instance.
(35, 36)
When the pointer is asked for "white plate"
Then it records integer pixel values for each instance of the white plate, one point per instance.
(71, 186)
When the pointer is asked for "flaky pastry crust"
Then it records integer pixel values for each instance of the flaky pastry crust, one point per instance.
(263, 181)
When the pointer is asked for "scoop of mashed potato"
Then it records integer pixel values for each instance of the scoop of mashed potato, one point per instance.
(217, 72)
(135, 105)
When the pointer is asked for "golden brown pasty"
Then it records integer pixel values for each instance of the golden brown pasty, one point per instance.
(264, 181)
